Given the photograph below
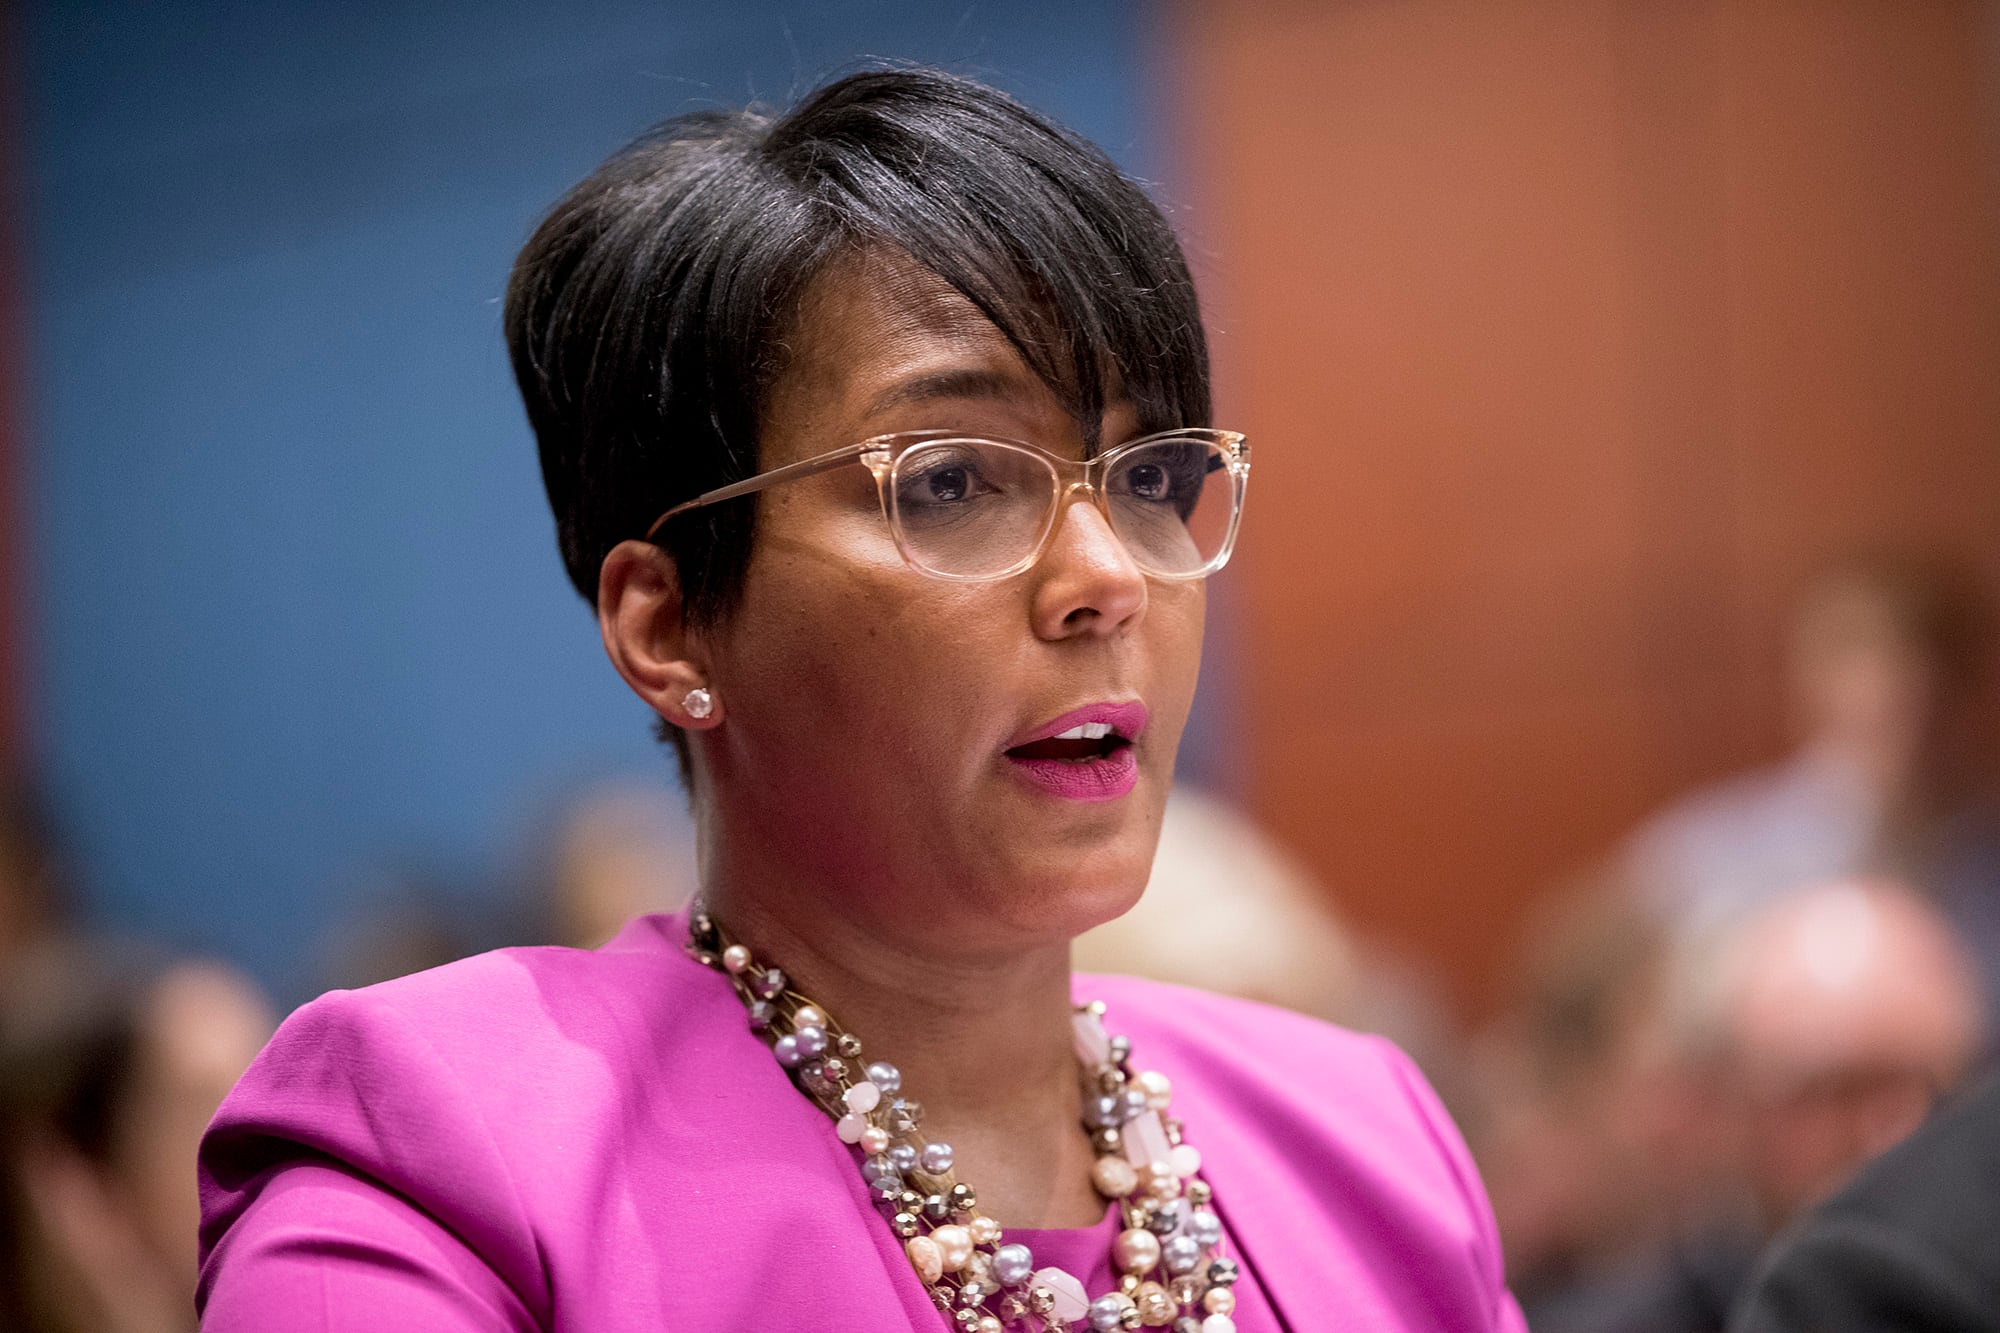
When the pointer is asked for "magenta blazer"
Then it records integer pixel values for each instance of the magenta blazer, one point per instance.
(594, 1142)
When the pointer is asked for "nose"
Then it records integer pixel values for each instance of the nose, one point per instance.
(1086, 580)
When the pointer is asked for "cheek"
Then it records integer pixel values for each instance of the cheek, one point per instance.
(848, 668)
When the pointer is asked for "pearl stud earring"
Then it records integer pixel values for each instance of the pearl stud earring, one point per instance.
(699, 703)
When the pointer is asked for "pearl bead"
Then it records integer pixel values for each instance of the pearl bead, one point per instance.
(786, 1048)
(862, 1097)
(811, 1041)
(808, 1016)
(954, 1247)
(1181, 1254)
(988, 1324)
(925, 1258)
(886, 1077)
(1133, 1102)
(874, 1139)
(1106, 1112)
(735, 958)
(903, 1156)
(1185, 1159)
(1159, 1092)
(1136, 1251)
(1218, 1323)
(1113, 1177)
(935, 1158)
(1220, 1300)
(1105, 1312)
(984, 1230)
(1206, 1228)
(1013, 1264)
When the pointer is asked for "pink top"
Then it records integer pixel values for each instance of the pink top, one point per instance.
(558, 1140)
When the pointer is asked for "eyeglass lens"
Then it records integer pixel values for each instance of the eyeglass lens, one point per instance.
(976, 507)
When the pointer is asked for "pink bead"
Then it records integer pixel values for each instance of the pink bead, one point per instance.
(1093, 1043)
(1145, 1139)
(983, 1230)
(1185, 1159)
(1071, 1302)
(873, 1140)
(863, 1097)
(850, 1128)
(808, 1016)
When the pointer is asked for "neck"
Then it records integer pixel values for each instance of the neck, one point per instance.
(983, 1042)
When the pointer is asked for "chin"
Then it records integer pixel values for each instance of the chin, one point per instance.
(1076, 896)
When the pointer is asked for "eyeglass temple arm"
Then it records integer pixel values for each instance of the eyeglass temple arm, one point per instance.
(807, 467)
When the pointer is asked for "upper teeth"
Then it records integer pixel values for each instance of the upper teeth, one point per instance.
(1089, 731)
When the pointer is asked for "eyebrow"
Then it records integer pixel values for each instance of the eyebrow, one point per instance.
(944, 384)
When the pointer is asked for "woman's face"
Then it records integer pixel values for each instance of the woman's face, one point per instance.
(869, 709)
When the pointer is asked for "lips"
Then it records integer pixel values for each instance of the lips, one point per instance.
(1084, 755)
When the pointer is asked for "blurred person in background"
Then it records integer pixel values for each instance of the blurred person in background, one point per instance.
(1814, 1033)
(618, 850)
(111, 1063)
(1911, 1244)
(1892, 689)
(1592, 1127)
(1227, 909)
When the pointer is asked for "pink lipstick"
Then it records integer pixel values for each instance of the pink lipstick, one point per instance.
(1084, 755)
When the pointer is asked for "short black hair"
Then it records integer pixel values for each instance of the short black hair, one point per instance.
(647, 316)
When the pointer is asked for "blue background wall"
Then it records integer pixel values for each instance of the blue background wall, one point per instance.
(298, 613)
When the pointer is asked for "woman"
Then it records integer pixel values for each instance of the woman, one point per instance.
(876, 435)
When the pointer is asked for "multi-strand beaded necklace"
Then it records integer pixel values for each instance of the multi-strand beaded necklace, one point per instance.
(1167, 1254)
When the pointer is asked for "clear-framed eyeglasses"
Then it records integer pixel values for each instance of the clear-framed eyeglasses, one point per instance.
(972, 509)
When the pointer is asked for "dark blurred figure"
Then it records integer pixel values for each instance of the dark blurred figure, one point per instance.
(1803, 1040)
(1913, 1244)
(111, 1064)
(34, 893)
(1892, 686)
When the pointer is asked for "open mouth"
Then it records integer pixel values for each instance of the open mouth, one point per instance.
(1082, 744)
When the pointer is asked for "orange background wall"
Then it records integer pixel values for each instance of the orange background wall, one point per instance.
(1569, 335)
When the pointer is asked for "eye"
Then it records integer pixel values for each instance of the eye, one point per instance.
(942, 479)
(1148, 481)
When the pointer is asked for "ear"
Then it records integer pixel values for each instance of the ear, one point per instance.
(640, 614)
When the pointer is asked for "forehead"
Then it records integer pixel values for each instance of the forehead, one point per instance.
(883, 344)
